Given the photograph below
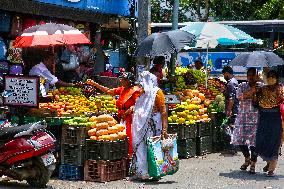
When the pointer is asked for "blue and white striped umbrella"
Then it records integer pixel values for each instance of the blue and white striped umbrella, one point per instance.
(211, 34)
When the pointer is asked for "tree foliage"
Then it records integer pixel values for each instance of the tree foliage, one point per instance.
(201, 10)
(189, 10)
(271, 9)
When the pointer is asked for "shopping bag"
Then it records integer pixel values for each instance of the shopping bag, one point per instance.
(162, 157)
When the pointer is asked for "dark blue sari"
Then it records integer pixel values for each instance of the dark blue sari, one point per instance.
(269, 133)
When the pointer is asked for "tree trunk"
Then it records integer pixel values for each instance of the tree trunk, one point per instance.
(203, 18)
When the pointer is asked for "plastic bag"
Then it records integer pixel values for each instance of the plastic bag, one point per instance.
(162, 160)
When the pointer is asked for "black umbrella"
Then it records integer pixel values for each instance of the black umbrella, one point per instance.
(158, 44)
(257, 59)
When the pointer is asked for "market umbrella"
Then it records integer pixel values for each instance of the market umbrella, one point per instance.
(257, 59)
(211, 34)
(50, 34)
(159, 44)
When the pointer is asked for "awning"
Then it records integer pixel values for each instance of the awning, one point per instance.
(37, 8)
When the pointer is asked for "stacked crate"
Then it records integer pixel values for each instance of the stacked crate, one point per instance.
(106, 160)
(204, 138)
(73, 146)
(220, 140)
(186, 141)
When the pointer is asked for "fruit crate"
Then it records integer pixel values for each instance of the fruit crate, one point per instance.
(187, 131)
(70, 172)
(203, 145)
(72, 154)
(74, 134)
(105, 171)
(31, 120)
(186, 148)
(183, 131)
(106, 150)
(173, 128)
(203, 128)
(52, 121)
(220, 140)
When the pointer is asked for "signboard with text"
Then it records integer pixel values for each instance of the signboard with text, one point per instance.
(120, 7)
(21, 91)
(216, 60)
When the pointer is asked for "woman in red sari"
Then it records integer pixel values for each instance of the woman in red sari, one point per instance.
(128, 94)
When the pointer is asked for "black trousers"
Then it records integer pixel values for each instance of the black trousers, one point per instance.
(249, 153)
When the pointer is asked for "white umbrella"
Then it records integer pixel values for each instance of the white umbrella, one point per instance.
(211, 34)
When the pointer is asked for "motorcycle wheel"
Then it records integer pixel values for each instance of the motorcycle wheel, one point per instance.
(42, 174)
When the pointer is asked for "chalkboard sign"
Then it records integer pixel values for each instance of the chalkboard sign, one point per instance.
(21, 91)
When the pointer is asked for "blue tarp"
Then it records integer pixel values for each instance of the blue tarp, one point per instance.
(119, 7)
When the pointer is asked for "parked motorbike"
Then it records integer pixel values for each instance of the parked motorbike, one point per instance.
(27, 153)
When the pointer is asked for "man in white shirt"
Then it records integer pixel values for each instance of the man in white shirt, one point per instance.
(42, 70)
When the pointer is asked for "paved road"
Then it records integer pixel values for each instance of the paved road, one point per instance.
(208, 172)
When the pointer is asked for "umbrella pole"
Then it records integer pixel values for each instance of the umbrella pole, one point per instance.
(206, 73)
(171, 68)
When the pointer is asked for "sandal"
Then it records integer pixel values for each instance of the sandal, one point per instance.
(270, 174)
(252, 169)
(265, 169)
(245, 165)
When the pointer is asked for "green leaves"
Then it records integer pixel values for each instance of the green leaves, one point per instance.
(272, 9)
(200, 10)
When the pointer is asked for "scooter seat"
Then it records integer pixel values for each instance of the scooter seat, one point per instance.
(9, 132)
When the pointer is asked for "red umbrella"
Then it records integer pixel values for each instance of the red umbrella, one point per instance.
(50, 34)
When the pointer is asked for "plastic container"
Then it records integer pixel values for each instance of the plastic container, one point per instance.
(105, 171)
(75, 135)
(106, 150)
(187, 131)
(203, 129)
(72, 154)
(70, 172)
(32, 119)
(186, 148)
(172, 128)
(204, 145)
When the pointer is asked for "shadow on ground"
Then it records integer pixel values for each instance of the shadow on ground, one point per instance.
(160, 182)
(17, 185)
(243, 175)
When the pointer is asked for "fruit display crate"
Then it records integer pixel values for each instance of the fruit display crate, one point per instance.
(220, 140)
(105, 171)
(74, 134)
(70, 172)
(56, 121)
(183, 131)
(203, 145)
(186, 148)
(27, 119)
(106, 150)
(203, 128)
(72, 154)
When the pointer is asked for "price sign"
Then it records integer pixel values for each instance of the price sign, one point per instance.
(21, 91)
(172, 99)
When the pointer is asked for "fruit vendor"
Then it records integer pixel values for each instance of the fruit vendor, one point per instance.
(128, 94)
(231, 100)
(42, 70)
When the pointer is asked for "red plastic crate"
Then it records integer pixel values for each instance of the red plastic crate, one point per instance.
(105, 171)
